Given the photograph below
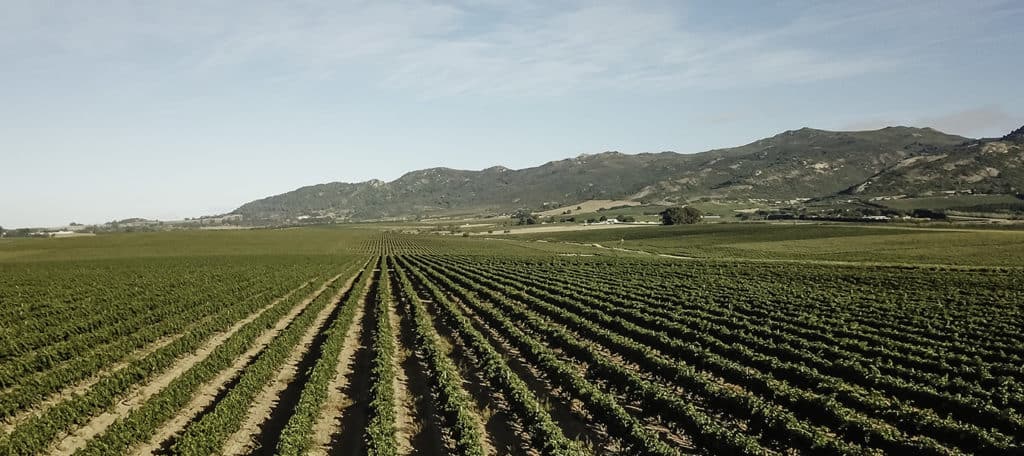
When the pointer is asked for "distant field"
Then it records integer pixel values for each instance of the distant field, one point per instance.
(857, 243)
(343, 340)
(587, 206)
(949, 202)
(181, 244)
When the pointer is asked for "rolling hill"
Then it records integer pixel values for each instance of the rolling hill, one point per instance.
(981, 166)
(804, 163)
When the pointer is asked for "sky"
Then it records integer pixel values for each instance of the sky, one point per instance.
(166, 109)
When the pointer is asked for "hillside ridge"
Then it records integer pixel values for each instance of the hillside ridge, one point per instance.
(794, 164)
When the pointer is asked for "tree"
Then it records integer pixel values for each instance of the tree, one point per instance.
(524, 217)
(929, 214)
(680, 216)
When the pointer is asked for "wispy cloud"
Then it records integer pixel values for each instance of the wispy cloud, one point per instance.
(439, 49)
(982, 120)
(611, 46)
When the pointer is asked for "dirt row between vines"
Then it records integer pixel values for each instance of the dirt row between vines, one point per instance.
(272, 406)
(420, 430)
(593, 431)
(433, 437)
(339, 427)
(503, 433)
(208, 394)
(81, 387)
(570, 415)
(77, 439)
(405, 419)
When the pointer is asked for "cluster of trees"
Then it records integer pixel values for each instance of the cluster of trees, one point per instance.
(686, 215)
(524, 217)
(683, 215)
(18, 232)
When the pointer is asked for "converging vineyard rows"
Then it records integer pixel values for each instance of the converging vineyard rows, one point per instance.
(408, 345)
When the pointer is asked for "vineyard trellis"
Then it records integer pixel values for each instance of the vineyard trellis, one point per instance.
(520, 352)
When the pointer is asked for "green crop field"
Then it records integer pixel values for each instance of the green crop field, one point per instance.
(950, 202)
(888, 244)
(764, 340)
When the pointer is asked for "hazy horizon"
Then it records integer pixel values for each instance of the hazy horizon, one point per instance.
(164, 110)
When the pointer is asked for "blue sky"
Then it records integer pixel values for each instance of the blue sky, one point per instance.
(164, 109)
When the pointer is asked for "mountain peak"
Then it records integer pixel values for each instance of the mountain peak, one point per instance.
(802, 130)
(799, 163)
(1015, 135)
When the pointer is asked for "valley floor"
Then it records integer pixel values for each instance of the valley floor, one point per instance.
(653, 340)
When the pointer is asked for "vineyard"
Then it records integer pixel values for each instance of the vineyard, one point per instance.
(366, 342)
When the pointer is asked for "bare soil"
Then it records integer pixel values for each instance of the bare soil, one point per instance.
(272, 407)
(347, 424)
(426, 435)
(84, 385)
(208, 392)
(337, 401)
(568, 414)
(500, 429)
(404, 421)
(503, 433)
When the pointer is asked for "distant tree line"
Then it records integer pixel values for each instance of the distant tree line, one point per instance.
(686, 215)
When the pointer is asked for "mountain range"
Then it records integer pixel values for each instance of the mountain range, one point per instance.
(796, 164)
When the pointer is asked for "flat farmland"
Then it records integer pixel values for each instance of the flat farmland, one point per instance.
(343, 341)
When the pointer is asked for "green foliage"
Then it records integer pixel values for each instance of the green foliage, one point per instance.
(893, 244)
(829, 393)
(524, 217)
(32, 435)
(928, 214)
(687, 215)
(297, 435)
(380, 431)
(454, 403)
(736, 356)
(545, 434)
(641, 439)
(209, 433)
